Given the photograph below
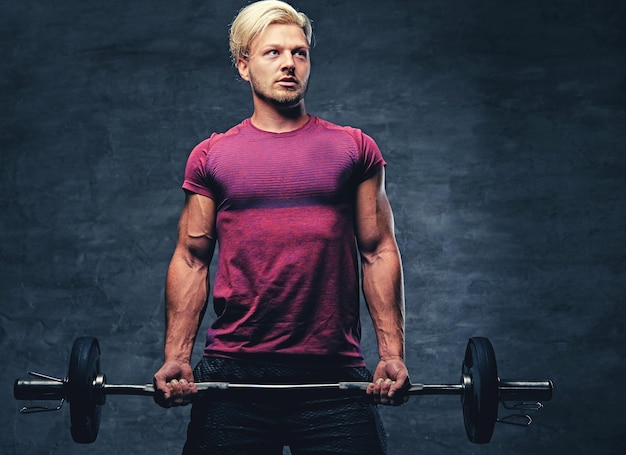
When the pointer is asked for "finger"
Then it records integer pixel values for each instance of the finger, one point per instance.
(370, 390)
(162, 397)
(187, 389)
(398, 387)
(182, 392)
(373, 389)
(378, 391)
(384, 391)
(176, 392)
(398, 396)
(380, 383)
(160, 381)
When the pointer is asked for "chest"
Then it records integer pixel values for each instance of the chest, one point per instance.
(283, 172)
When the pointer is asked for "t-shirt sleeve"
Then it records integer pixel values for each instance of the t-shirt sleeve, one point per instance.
(371, 159)
(196, 179)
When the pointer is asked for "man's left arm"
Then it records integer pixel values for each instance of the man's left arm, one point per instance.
(383, 287)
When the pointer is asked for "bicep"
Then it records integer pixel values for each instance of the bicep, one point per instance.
(196, 227)
(374, 218)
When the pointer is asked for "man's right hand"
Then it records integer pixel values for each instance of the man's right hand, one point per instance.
(174, 385)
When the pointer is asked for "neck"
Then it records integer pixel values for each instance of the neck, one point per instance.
(278, 120)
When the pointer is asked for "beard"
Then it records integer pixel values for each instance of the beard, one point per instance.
(279, 96)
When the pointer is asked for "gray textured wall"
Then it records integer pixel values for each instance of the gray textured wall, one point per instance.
(503, 125)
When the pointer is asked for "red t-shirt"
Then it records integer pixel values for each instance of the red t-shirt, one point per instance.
(287, 283)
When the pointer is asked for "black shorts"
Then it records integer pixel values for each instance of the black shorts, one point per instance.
(263, 422)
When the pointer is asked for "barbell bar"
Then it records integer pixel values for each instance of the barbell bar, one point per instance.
(480, 389)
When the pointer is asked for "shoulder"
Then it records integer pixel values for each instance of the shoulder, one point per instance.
(216, 137)
(361, 139)
(363, 150)
(202, 154)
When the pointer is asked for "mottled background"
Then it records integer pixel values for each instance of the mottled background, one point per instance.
(503, 124)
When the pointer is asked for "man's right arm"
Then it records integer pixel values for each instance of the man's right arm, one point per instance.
(186, 293)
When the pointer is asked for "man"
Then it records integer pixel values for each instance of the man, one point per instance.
(289, 197)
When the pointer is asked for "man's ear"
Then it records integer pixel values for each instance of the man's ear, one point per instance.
(242, 67)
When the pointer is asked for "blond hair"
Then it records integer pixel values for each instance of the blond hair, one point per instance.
(253, 19)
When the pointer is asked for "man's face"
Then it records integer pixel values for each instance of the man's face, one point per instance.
(279, 65)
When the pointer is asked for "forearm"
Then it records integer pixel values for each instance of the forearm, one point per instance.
(186, 292)
(383, 289)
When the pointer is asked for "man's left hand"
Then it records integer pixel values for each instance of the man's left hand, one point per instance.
(391, 380)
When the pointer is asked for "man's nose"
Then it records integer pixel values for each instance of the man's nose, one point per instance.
(289, 63)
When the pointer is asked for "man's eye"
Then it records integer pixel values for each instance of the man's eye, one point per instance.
(301, 53)
(272, 52)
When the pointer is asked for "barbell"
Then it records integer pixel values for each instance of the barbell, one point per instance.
(480, 389)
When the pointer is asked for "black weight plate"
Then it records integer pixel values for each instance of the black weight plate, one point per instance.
(480, 403)
(84, 410)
